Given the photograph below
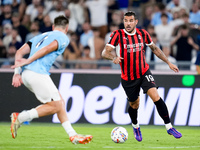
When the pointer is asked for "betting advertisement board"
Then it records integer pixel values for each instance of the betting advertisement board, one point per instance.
(99, 98)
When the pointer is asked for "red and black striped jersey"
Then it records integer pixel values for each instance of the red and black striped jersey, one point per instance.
(131, 48)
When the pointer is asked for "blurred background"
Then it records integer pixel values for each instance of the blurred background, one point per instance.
(174, 26)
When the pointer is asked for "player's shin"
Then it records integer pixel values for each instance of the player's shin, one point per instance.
(28, 115)
(68, 128)
(163, 112)
(133, 115)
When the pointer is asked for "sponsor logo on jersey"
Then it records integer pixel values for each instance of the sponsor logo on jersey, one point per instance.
(133, 47)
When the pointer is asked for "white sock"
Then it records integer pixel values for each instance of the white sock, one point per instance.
(135, 125)
(28, 115)
(68, 128)
(168, 126)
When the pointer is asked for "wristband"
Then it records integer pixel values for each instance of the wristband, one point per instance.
(18, 70)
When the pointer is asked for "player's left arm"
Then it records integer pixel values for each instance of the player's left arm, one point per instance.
(17, 80)
(107, 54)
(42, 52)
(158, 52)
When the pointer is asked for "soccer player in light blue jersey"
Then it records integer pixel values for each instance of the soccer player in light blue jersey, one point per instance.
(43, 50)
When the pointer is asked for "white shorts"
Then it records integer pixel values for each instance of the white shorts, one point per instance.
(41, 85)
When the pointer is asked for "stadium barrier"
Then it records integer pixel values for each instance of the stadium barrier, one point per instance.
(103, 64)
(96, 97)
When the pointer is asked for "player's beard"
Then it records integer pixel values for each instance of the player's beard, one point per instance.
(131, 30)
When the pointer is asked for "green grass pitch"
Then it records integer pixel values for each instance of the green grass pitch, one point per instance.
(43, 136)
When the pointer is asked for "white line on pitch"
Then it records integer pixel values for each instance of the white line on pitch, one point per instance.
(154, 147)
(107, 147)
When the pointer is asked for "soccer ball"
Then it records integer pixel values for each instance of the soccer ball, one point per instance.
(119, 135)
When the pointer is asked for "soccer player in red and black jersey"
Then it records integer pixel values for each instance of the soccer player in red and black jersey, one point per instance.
(135, 73)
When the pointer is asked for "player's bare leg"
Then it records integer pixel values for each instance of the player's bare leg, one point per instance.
(59, 108)
(73, 136)
(133, 111)
(50, 108)
(153, 94)
(163, 112)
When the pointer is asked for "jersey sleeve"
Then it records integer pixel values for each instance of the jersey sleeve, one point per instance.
(63, 42)
(34, 38)
(114, 39)
(148, 40)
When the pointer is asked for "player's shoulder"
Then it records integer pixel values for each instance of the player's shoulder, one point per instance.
(61, 38)
(117, 31)
(141, 30)
(37, 37)
(58, 33)
(114, 33)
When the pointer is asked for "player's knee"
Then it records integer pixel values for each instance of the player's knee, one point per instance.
(54, 110)
(56, 106)
(153, 93)
(60, 105)
(134, 105)
(155, 98)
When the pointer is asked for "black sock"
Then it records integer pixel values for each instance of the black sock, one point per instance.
(162, 110)
(133, 114)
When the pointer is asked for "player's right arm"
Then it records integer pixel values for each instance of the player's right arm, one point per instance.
(25, 49)
(112, 43)
(42, 52)
(17, 80)
(107, 54)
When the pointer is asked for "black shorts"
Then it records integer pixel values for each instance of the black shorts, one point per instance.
(132, 87)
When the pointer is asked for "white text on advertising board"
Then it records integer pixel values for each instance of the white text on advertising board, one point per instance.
(183, 101)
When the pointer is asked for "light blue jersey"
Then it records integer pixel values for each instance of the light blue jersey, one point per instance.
(43, 64)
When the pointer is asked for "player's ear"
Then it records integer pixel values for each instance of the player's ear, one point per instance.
(136, 21)
(66, 29)
(52, 27)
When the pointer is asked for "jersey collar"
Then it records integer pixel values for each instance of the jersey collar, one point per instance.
(130, 33)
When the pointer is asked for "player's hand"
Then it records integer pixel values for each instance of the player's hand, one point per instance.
(173, 67)
(117, 60)
(17, 80)
(20, 62)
